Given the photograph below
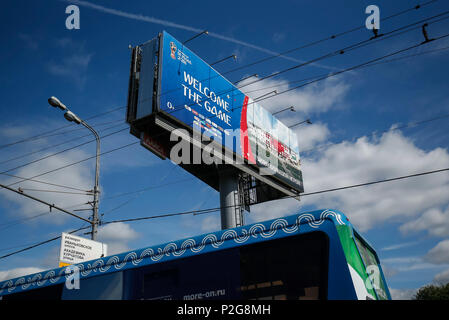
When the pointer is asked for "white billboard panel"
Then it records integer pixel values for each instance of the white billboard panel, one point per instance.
(76, 249)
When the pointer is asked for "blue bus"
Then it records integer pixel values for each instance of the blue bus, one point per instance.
(306, 256)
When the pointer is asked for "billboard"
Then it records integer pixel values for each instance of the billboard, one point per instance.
(175, 82)
(76, 249)
(198, 96)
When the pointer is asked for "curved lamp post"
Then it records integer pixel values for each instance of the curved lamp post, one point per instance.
(71, 117)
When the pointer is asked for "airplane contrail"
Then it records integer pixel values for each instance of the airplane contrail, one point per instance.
(166, 23)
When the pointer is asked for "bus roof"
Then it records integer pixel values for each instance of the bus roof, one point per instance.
(266, 230)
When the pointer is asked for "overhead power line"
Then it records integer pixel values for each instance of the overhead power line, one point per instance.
(215, 209)
(34, 137)
(331, 37)
(410, 125)
(50, 205)
(332, 74)
(354, 46)
(53, 145)
(40, 243)
(44, 182)
(357, 45)
(287, 83)
(59, 152)
(8, 224)
(377, 59)
(279, 93)
(418, 6)
(152, 187)
(74, 163)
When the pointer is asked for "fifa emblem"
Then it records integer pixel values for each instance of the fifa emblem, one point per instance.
(173, 50)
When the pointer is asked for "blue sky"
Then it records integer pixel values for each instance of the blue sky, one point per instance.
(88, 69)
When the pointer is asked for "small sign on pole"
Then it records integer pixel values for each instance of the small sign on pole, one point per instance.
(76, 249)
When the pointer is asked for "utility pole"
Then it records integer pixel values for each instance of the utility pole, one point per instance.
(95, 219)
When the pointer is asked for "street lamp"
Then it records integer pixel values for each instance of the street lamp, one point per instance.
(297, 124)
(70, 116)
(291, 108)
(231, 56)
(266, 94)
(245, 78)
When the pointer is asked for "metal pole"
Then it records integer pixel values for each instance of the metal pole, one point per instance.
(230, 207)
(95, 220)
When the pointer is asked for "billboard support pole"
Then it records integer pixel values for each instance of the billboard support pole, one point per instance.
(231, 210)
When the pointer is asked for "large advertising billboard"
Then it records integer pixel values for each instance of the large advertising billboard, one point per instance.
(198, 96)
(194, 94)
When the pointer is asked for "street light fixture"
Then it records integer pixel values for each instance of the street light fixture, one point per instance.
(266, 94)
(245, 78)
(54, 102)
(70, 116)
(297, 124)
(291, 108)
(221, 60)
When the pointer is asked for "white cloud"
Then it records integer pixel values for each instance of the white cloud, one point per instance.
(400, 246)
(442, 277)
(278, 37)
(18, 272)
(167, 23)
(78, 176)
(29, 41)
(314, 98)
(15, 132)
(439, 254)
(117, 236)
(311, 135)
(74, 63)
(435, 221)
(402, 294)
(372, 159)
(274, 209)
(211, 223)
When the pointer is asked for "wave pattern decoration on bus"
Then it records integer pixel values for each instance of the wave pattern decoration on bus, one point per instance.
(243, 235)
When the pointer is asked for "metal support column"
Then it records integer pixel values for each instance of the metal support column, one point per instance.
(230, 203)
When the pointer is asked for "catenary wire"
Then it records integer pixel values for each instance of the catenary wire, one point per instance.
(352, 69)
(282, 92)
(333, 36)
(340, 51)
(215, 209)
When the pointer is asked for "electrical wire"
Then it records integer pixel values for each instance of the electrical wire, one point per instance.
(413, 124)
(290, 90)
(59, 128)
(215, 209)
(340, 51)
(54, 145)
(74, 163)
(181, 107)
(40, 243)
(352, 68)
(331, 37)
(317, 59)
(62, 151)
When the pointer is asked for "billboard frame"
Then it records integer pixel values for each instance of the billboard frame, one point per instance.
(160, 124)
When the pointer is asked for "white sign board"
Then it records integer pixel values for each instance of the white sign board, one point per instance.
(76, 249)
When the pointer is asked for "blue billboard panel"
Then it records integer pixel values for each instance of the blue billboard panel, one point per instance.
(196, 95)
